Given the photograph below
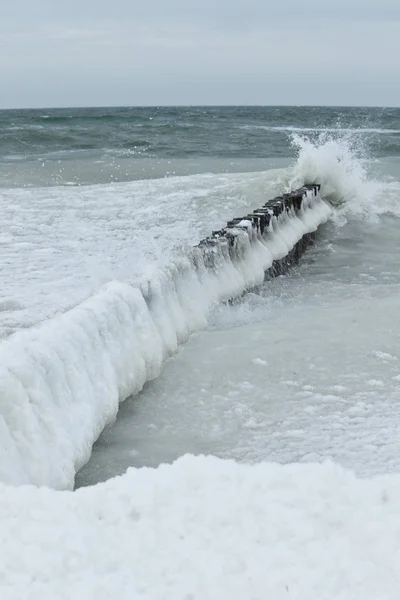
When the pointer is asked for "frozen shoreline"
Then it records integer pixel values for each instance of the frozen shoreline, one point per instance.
(61, 383)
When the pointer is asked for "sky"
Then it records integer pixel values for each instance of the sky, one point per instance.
(163, 52)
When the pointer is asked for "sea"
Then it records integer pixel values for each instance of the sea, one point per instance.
(98, 201)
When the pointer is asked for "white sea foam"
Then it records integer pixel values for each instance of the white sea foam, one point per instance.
(61, 383)
(60, 244)
(340, 166)
(317, 130)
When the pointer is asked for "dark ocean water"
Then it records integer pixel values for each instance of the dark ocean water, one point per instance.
(99, 145)
(259, 132)
(121, 134)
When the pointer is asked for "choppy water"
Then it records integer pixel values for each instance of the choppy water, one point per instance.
(73, 146)
(306, 369)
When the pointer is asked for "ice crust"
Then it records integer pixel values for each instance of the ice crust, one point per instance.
(61, 382)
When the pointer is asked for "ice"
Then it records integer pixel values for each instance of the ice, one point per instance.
(59, 245)
(327, 340)
(202, 527)
(205, 528)
(61, 383)
(317, 379)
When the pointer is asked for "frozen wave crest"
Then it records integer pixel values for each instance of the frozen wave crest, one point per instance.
(339, 165)
(61, 383)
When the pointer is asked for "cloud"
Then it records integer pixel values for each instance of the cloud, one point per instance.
(190, 52)
(225, 13)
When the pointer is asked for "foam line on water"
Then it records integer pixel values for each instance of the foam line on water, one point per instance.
(337, 130)
(61, 382)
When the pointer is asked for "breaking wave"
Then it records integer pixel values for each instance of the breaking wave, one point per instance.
(343, 169)
(318, 130)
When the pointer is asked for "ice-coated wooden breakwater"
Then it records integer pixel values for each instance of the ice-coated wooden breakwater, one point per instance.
(61, 382)
(271, 224)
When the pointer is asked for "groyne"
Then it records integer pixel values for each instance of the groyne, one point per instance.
(61, 382)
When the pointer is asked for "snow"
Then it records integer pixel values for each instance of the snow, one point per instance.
(203, 528)
(61, 382)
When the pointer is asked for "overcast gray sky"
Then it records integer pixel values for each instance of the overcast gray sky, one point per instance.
(126, 52)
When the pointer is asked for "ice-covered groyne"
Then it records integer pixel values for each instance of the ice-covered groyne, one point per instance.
(266, 223)
(61, 382)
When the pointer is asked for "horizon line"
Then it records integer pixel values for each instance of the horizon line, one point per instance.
(158, 106)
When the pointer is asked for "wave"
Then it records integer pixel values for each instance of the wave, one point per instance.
(61, 382)
(341, 166)
(318, 130)
(88, 116)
